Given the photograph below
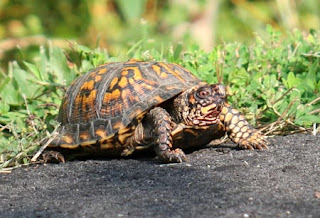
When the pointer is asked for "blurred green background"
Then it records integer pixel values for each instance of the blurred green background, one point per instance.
(118, 24)
(267, 53)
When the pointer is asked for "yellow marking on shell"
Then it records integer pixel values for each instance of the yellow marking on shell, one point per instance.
(84, 136)
(67, 139)
(158, 98)
(88, 143)
(140, 115)
(124, 130)
(173, 72)
(123, 82)
(69, 146)
(137, 74)
(92, 96)
(138, 81)
(234, 120)
(107, 142)
(123, 137)
(92, 75)
(124, 73)
(88, 85)
(224, 110)
(97, 78)
(101, 133)
(147, 86)
(164, 75)
(102, 71)
(107, 145)
(131, 81)
(228, 117)
(114, 81)
(157, 69)
(90, 102)
(114, 95)
(128, 97)
(118, 125)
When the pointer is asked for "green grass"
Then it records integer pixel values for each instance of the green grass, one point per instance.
(275, 82)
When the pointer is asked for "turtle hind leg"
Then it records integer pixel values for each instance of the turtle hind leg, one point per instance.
(159, 132)
(50, 156)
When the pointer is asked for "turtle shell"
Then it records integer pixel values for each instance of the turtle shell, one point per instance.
(109, 101)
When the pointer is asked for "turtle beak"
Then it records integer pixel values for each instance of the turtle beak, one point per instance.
(208, 109)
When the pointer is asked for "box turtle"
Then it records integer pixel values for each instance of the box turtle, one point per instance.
(121, 107)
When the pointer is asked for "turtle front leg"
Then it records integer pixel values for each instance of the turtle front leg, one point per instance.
(240, 131)
(157, 127)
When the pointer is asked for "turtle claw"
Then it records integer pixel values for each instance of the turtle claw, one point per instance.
(52, 157)
(246, 146)
(173, 156)
(256, 140)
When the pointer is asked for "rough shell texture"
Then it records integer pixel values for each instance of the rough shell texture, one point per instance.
(113, 96)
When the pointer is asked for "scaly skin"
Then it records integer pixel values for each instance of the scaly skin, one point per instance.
(162, 127)
(240, 131)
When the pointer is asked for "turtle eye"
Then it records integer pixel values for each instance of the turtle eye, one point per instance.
(202, 93)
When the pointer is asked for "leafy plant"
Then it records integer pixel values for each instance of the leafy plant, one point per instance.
(275, 82)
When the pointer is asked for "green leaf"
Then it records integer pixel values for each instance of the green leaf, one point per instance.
(13, 116)
(307, 120)
(22, 79)
(43, 64)
(9, 92)
(34, 69)
(82, 48)
(59, 66)
(292, 81)
(4, 107)
(177, 52)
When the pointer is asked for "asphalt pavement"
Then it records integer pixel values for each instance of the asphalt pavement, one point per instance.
(220, 181)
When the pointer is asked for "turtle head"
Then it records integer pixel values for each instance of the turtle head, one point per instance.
(200, 105)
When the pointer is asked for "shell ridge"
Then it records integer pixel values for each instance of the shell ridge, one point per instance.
(77, 134)
(104, 85)
(75, 91)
